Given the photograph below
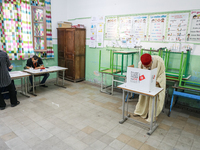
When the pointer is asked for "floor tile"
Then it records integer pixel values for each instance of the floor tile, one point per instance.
(164, 146)
(88, 130)
(98, 145)
(147, 147)
(116, 144)
(8, 136)
(135, 143)
(106, 139)
(181, 146)
(88, 140)
(123, 138)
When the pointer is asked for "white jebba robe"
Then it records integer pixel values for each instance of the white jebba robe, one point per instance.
(144, 105)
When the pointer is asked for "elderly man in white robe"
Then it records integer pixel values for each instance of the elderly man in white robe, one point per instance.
(144, 105)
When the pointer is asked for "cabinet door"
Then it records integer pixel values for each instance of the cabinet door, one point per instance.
(61, 43)
(80, 42)
(61, 49)
(69, 41)
(79, 67)
(70, 71)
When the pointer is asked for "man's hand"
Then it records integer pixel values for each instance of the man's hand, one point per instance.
(11, 67)
(36, 68)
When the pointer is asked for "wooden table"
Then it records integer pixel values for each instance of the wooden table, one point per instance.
(52, 69)
(153, 125)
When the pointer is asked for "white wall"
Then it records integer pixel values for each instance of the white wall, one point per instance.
(70, 9)
(58, 13)
(86, 8)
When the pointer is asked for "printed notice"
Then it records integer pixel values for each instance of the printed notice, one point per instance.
(157, 28)
(177, 27)
(194, 29)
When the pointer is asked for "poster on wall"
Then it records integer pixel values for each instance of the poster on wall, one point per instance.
(140, 27)
(174, 47)
(157, 25)
(125, 27)
(111, 28)
(186, 46)
(194, 28)
(100, 31)
(93, 32)
(177, 27)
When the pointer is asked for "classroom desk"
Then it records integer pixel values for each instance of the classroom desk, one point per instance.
(23, 76)
(153, 125)
(35, 72)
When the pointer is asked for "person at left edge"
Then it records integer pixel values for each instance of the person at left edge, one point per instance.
(36, 63)
(5, 81)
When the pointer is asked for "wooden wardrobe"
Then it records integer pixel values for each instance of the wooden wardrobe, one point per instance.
(71, 52)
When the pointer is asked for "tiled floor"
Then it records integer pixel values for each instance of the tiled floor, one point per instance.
(82, 118)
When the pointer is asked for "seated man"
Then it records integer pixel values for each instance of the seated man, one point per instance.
(36, 63)
(144, 105)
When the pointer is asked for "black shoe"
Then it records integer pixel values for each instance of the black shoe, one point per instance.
(13, 105)
(44, 86)
(31, 90)
(2, 108)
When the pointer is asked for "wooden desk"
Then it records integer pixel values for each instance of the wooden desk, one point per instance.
(153, 125)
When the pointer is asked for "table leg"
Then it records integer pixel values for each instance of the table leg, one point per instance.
(22, 85)
(152, 128)
(24, 91)
(112, 84)
(63, 81)
(123, 110)
(101, 82)
(57, 78)
(63, 76)
(33, 81)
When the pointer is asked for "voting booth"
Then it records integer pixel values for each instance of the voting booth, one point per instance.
(141, 79)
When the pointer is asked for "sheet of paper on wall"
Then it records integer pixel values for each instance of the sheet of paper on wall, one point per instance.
(123, 42)
(194, 27)
(125, 27)
(157, 25)
(114, 43)
(94, 19)
(131, 42)
(174, 47)
(177, 27)
(93, 35)
(140, 27)
(111, 28)
(100, 31)
(186, 46)
(101, 19)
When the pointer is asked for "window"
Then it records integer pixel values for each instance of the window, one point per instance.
(39, 28)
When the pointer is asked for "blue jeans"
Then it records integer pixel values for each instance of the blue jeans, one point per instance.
(46, 75)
